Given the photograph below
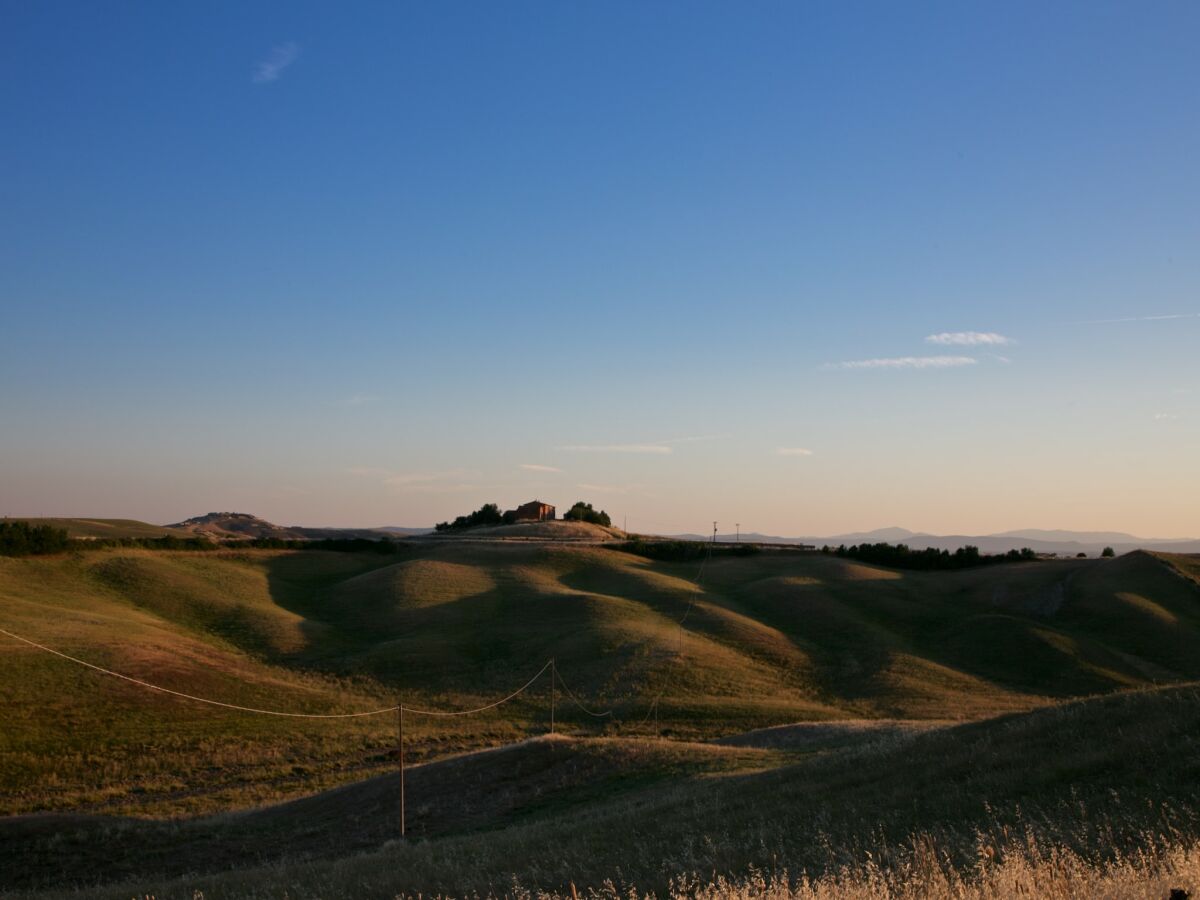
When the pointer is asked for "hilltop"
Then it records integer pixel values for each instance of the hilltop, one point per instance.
(546, 530)
(226, 526)
(105, 529)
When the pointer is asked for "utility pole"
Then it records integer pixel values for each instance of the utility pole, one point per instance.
(400, 724)
(714, 532)
(738, 539)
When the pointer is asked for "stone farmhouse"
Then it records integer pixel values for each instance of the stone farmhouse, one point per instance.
(533, 511)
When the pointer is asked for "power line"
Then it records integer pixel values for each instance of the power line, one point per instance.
(275, 712)
(471, 712)
(575, 700)
(556, 679)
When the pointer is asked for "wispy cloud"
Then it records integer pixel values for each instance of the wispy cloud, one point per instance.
(408, 479)
(794, 451)
(643, 491)
(1165, 417)
(695, 439)
(368, 472)
(660, 449)
(906, 362)
(269, 69)
(450, 481)
(1140, 319)
(536, 467)
(603, 488)
(462, 487)
(358, 400)
(968, 339)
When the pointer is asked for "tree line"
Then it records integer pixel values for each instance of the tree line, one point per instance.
(489, 514)
(901, 556)
(684, 551)
(24, 539)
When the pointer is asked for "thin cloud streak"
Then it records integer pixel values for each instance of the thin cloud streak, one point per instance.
(694, 440)
(272, 67)
(368, 472)
(794, 451)
(536, 467)
(414, 478)
(451, 481)
(434, 488)
(906, 362)
(1140, 319)
(656, 449)
(968, 339)
(602, 488)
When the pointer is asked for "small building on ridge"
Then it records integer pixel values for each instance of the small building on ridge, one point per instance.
(533, 511)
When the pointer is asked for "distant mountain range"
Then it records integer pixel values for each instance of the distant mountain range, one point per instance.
(1064, 543)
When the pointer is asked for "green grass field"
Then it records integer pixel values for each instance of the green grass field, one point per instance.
(770, 639)
(109, 528)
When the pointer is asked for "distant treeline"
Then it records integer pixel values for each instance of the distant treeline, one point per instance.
(901, 556)
(23, 539)
(683, 551)
(488, 514)
(583, 512)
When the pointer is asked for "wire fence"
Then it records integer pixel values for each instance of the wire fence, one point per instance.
(401, 709)
(556, 676)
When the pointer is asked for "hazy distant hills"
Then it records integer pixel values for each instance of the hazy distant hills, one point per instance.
(223, 526)
(1064, 543)
(226, 526)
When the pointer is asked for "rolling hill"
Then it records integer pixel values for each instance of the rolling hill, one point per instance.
(769, 639)
(108, 528)
(1089, 780)
(232, 526)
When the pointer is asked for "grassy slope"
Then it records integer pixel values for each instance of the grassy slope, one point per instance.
(772, 638)
(469, 794)
(109, 528)
(1093, 775)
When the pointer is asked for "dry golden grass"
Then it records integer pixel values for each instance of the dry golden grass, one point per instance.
(1027, 870)
(771, 639)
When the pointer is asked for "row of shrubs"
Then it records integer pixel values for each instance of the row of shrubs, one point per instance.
(683, 551)
(901, 556)
(24, 539)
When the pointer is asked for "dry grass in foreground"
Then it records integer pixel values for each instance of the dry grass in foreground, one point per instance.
(921, 871)
(924, 872)
(1026, 871)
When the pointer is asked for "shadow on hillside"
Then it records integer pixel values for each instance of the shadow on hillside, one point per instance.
(489, 638)
(882, 645)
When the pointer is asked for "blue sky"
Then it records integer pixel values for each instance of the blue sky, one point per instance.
(369, 267)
